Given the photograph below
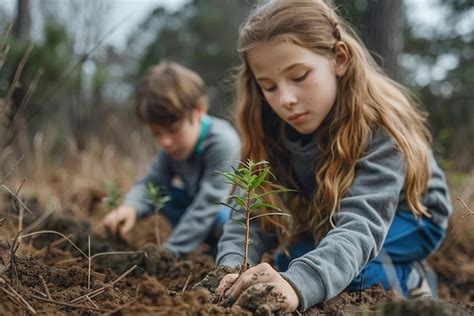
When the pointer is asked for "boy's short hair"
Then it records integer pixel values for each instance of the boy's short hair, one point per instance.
(168, 93)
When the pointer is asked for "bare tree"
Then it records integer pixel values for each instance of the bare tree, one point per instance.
(21, 26)
(383, 33)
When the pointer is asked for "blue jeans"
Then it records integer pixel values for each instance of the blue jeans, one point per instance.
(408, 240)
(177, 205)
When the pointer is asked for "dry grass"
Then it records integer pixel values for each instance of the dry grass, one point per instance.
(78, 179)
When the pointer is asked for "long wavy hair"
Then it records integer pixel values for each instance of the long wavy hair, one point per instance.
(367, 98)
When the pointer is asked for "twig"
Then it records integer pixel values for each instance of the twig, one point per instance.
(100, 290)
(17, 194)
(39, 292)
(92, 302)
(13, 169)
(38, 221)
(16, 198)
(89, 261)
(5, 47)
(81, 60)
(156, 222)
(20, 220)
(18, 72)
(23, 105)
(12, 297)
(68, 260)
(12, 263)
(468, 213)
(67, 304)
(57, 233)
(45, 286)
(20, 298)
(186, 283)
(115, 253)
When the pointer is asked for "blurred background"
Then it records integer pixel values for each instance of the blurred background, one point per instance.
(68, 69)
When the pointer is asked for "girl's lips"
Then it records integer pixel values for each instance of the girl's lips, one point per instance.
(297, 117)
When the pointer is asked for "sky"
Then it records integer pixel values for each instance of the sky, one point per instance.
(125, 13)
(129, 13)
(425, 15)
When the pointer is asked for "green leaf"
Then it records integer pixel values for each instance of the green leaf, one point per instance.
(269, 214)
(259, 179)
(231, 207)
(284, 190)
(235, 221)
(239, 200)
(264, 205)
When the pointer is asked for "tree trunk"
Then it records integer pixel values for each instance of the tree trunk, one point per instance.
(21, 26)
(383, 33)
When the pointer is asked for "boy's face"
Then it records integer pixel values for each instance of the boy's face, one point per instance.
(179, 139)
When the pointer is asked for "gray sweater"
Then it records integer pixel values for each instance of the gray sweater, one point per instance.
(218, 151)
(362, 222)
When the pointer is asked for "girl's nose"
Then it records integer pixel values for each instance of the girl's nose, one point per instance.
(287, 98)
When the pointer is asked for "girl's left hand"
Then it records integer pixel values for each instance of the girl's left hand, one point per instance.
(261, 273)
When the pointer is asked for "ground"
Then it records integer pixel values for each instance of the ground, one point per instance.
(49, 275)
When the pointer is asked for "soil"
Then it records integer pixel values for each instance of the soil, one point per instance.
(50, 276)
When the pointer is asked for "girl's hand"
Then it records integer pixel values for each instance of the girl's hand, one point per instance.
(261, 273)
(121, 220)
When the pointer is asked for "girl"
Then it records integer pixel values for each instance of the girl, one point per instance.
(313, 103)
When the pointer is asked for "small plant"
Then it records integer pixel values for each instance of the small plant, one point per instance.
(158, 199)
(111, 200)
(249, 180)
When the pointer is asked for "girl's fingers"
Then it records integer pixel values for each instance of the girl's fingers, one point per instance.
(226, 283)
(261, 273)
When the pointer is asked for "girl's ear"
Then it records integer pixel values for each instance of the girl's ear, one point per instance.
(342, 57)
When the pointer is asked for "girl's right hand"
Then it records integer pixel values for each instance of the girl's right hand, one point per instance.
(121, 220)
(226, 283)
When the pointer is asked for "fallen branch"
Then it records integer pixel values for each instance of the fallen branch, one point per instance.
(16, 198)
(468, 213)
(186, 283)
(57, 233)
(15, 295)
(102, 289)
(45, 286)
(18, 72)
(68, 304)
(13, 169)
(92, 302)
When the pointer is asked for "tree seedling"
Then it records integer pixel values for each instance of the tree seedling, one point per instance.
(249, 181)
(111, 200)
(158, 199)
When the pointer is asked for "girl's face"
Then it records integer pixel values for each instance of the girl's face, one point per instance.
(298, 84)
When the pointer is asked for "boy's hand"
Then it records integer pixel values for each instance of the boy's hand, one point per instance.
(121, 220)
(261, 273)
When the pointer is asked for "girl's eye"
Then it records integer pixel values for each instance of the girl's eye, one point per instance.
(302, 78)
(269, 89)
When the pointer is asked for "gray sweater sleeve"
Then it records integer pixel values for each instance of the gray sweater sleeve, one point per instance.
(160, 174)
(362, 222)
(196, 223)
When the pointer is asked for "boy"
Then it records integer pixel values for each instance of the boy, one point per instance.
(172, 101)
